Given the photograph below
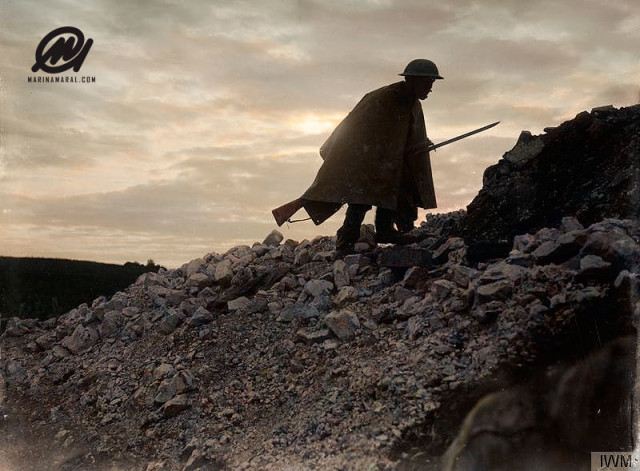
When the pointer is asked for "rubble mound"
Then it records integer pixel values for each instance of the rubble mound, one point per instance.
(280, 356)
(588, 167)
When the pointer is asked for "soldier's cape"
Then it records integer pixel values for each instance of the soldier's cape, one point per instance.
(364, 158)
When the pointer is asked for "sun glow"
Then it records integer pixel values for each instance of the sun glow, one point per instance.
(314, 124)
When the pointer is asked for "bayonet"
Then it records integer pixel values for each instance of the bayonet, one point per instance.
(430, 147)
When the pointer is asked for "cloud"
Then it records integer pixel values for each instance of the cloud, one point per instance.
(206, 115)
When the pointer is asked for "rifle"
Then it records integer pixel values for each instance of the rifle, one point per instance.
(284, 212)
(430, 146)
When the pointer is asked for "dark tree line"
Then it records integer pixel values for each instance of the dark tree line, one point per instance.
(44, 287)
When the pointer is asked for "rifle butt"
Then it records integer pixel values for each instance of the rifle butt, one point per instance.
(284, 212)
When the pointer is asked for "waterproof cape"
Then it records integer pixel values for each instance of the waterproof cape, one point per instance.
(365, 159)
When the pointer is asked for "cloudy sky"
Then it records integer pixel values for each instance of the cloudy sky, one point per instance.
(204, 115)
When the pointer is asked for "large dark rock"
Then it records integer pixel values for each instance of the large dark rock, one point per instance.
(588, 168)
(555, 420)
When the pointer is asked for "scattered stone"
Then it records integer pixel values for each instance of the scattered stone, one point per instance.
(330, 344)
(239, 303)
(317, 288)
(199, 281)
(166, 392)
(613, 247)
(344, 324)
(359, 260)
(570, 224)
(273, 239)
(526, 149)
(46, 341)
(183, 382)
(593, 266)
(340, 274)
(171, 319)
(194, 266)
(197, 461)
(441, 254)
(298, 311)
(415, 277)
(405, 257)
(346, 295)
(313, 337)
(16, 328)
(401, 294)
(443, 289)
(224, 273)
(81, 339)
(555, 252)
(163, 371)
(496, 291)
(151, 279)
(302, 257)
(521, 259)
(201, 317)
(416, 326)
(367, 240)
(175, 406)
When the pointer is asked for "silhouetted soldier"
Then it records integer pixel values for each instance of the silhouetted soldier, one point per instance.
(376, 157)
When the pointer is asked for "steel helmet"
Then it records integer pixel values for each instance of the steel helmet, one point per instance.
(421, 68)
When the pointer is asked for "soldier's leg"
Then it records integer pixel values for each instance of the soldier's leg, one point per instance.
(406, 215)
(408, 197)
(385, 219)
(349, 233)
(385, 232)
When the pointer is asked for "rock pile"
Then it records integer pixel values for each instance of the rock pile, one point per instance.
(588, 167)
(276, 355)
(280, 356)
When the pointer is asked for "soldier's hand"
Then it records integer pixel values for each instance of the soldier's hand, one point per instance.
(430, 143)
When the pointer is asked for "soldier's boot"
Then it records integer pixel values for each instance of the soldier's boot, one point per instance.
(386, 233)
(405, 217)
(346, 240)
(349, 233)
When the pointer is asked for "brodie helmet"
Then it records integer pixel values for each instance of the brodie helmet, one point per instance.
(421, 68)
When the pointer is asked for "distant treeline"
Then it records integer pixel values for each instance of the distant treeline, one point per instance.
(45, 287)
